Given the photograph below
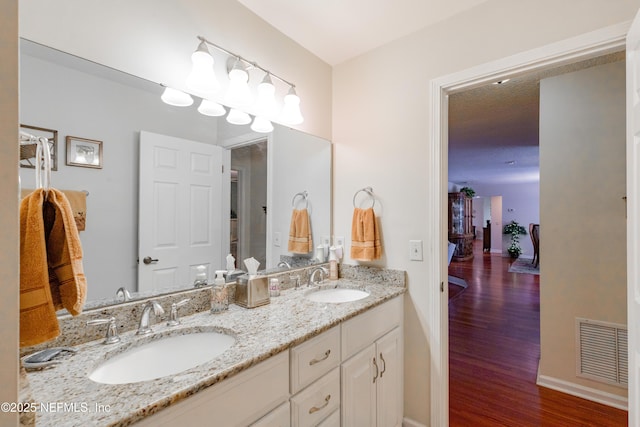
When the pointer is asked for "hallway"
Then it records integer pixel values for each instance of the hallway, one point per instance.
(494, 347)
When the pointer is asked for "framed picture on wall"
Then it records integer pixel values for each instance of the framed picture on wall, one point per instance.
(28, 151)
(86, 153)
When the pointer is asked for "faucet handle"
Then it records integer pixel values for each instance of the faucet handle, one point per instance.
(173, 316)
(112, 336)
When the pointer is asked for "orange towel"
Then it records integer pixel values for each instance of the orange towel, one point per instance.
(64, 255)
(78, 202)
(38, 321)
(365, 235)
(300, 240)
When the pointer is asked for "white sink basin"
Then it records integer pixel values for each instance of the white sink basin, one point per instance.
(163, 357)
(337, 295)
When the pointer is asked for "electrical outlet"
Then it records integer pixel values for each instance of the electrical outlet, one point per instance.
(326, 241)
(338, 241)
(415, 250)
(276, 239)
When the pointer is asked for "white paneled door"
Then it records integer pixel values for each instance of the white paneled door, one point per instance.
(180, 221)
(633, 216)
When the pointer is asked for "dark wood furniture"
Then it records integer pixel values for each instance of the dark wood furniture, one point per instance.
(534, 232)
(460, 226)
(486, 237)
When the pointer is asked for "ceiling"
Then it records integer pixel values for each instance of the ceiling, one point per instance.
(493, 130)
(338, 30)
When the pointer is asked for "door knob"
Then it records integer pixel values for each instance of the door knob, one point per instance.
(149, 260)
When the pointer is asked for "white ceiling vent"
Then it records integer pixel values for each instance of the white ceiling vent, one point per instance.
(602, 351)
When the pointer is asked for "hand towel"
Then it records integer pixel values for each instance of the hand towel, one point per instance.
(38, 321)
(78, 202)
(64, 254)
(365, 235)
(300, 240)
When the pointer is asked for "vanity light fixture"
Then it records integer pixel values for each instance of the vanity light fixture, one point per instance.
(176, 97)
(291, 111)
(202, 78)
(210, 108)
(238, 117)
(266, 102)
(261, 125)
(239, 94)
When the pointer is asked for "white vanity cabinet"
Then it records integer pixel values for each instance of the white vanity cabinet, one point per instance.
(237, 401)
(372, 377)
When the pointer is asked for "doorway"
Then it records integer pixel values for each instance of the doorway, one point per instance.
(589, 45)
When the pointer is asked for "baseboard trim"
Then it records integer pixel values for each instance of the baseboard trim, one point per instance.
(584, 392)
(408, 422)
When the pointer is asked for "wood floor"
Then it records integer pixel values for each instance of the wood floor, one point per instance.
(494, 347)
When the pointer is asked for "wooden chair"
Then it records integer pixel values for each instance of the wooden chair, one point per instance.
(534, 232)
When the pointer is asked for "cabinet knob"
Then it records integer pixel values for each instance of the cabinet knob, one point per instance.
(375, 363)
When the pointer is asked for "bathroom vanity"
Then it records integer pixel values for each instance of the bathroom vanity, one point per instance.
(294, 362)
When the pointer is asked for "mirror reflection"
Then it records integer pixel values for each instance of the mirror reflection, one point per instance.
(241, 205)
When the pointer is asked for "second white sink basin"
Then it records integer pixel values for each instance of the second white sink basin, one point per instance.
(165, 356)
(337, 295)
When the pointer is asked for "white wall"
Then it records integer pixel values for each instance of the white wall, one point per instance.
(79, 104)
(381, 135)
(583, 222)
(520, 202)
(299, 156)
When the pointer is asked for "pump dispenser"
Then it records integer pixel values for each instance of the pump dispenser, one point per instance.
(333, 264)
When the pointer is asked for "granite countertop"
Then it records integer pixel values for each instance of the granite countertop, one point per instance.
(260, 333)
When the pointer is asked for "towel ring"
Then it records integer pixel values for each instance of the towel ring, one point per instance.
(304, 196)
(367, 190)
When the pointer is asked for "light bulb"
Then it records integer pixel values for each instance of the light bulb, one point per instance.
(238, 117)
(210, 108)
(238, 94)
(266, 102)
(202, 78)
(176, 97)
(291, 110)
(261, 125)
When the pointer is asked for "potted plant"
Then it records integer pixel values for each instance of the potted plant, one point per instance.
(515, 230)
(468, 191)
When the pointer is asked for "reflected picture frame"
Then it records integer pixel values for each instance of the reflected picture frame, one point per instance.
(83, 152)
(28, 151)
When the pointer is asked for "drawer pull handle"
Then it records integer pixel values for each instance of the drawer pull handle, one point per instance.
(324, 405)
(384, 365)
(325, 357)
(377, 370)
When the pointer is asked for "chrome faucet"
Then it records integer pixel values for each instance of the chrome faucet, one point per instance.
(144, 327)
(112, 330)
(323, 275)
(284, 264)
(173, 315)
(124, 293)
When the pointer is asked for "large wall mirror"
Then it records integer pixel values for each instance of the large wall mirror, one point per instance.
(260, 173)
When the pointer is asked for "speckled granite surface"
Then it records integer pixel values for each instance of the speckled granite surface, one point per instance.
(260, 333)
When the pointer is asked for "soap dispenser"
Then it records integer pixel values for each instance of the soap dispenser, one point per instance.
(219, 293)
(333, 264)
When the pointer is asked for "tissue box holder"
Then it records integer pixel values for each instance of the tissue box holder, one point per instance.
(252, 291)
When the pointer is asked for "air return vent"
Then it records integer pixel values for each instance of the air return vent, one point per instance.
(602, 351)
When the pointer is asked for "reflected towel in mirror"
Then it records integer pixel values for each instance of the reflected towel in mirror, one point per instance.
(300, 240)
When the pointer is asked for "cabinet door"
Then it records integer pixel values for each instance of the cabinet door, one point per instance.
(389, 383)
(359, 389)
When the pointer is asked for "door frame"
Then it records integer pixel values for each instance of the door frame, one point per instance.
(595, 43)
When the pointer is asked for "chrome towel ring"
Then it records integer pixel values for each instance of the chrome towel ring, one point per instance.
(367, 190)
(304, 194)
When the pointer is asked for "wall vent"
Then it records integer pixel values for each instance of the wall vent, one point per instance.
(602, 351)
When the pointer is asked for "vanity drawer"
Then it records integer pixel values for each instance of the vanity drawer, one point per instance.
(279, 417)
(362, 330)
(314, 358)
(332, 420)
(316, 402)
